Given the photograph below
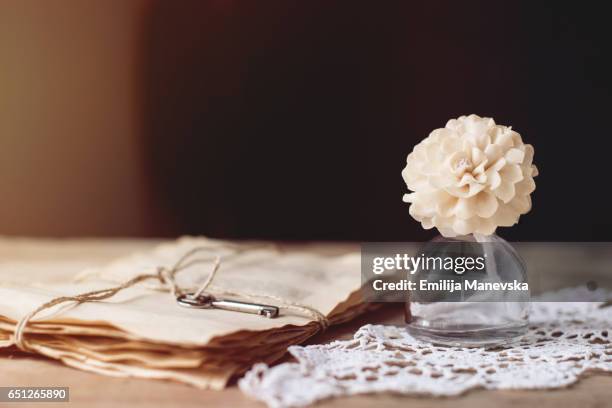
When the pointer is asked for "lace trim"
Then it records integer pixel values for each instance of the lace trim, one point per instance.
(565, 340)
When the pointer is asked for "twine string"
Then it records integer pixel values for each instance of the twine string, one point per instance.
(166, 277)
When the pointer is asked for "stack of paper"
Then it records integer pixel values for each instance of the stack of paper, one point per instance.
(142, 332)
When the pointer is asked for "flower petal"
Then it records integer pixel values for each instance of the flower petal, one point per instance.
(528, 159)
(478, 156)
(409, 198)
(465, 191)
(505, 191)
(466, 179)
(446, 206)
(486, 226)
(493, 178)
(493, 153)
(498, 165)
(504, 139)
(464, 227)
(506, 216)
(451, 144)
(515, 156)
(511, 173)
(480, 169)
(427, 223)
(522, 204)
(525, 186)
(486, 204)
(465, 208)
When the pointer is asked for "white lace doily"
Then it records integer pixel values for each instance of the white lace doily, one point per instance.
(565, 340)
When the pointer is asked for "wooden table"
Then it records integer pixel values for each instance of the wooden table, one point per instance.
(91, 390)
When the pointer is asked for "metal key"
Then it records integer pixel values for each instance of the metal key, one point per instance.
(206, 301)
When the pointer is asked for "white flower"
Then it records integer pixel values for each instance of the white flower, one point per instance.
(471, 176)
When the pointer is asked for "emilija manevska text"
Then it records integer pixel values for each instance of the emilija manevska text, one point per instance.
(459, 265)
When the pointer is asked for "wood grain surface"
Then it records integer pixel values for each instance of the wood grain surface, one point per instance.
(91, 390)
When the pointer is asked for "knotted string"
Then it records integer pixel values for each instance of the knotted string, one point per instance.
(166, 277)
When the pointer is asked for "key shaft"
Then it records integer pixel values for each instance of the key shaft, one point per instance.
(206, 301)
(245, 307)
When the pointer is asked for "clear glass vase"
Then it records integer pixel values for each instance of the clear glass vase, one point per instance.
(467, 317)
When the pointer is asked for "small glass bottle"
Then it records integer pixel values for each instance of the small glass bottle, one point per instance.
(467, 317)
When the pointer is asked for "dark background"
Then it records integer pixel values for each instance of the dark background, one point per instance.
(292, 120)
